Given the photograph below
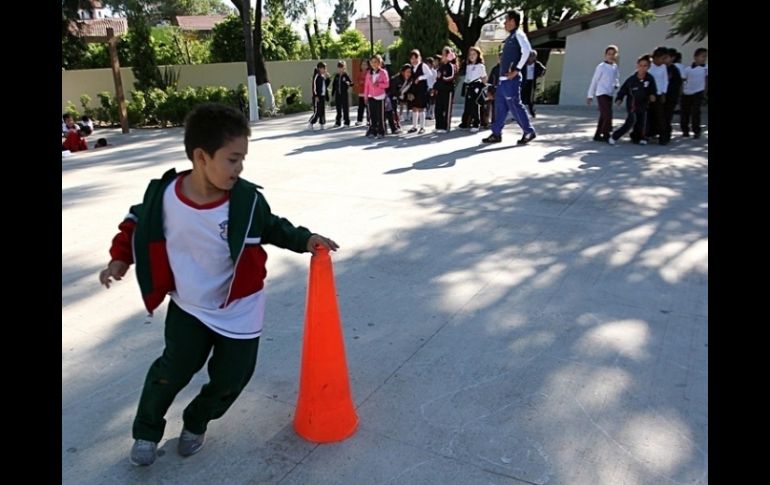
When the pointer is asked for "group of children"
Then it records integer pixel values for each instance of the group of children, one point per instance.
(422, 89)
(660, 84)
(74, 134)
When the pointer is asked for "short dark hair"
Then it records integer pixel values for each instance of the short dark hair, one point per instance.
(660, 51)
(513, 14)
(644, 57)
(699, 51)
(611, 47)
(320, 65)
(85, 130)
(84, 118)
(406, 67)
(415, 52)
(211, 125)
(101, 142)
(341, 64)
(68, 115)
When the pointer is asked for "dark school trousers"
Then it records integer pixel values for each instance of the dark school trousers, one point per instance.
(188, 345)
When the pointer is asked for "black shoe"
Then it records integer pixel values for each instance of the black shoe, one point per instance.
(463, 126)
(599, 138)
(686, 135)
(526, 138)
(492, 139)
(696, 135)
(337, 125)
(533, 115)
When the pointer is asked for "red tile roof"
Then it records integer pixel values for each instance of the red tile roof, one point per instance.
(198, 22)
(98, 27)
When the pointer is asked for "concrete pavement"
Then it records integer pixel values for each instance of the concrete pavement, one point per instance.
(512, 315)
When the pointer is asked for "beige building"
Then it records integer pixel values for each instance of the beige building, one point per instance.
(386, 27)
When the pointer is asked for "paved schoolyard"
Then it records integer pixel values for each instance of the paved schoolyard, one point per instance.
(512, 315)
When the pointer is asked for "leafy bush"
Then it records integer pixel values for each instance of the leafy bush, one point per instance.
(550, 95)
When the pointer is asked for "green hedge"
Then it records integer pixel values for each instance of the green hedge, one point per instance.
(169, 107)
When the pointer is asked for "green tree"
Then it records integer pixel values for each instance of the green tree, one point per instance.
(168, 9)
(280, 42)
(691, 20)
(344, 10)
(227, 41)
(423, 27)
(145, 65)
(73, 48)
(470, 15)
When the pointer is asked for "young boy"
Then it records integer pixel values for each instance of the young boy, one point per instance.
(695, 85)
(197, 237)
(533, 70)
(76, 139)
(320, 96)
(340, 86)
(67, 124)
(673, 91)
(639, 89)
(603, 86)
(657, 119)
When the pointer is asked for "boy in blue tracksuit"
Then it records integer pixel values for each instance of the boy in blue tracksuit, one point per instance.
(516, 51)
(639, 90)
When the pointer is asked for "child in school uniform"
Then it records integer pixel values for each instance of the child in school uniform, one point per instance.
(603, 85)
(533, 70)
(695, 87)
(320, 96)
(360, 81)
(475, 77)
(340, 86)
(445, 86)
(420, 75)
(657, 116)
(376, 90)
(639, 90)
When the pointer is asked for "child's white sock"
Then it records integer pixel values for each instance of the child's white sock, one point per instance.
(422, 119)
(414, 119)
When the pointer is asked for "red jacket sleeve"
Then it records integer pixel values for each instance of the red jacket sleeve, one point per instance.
(121, 249)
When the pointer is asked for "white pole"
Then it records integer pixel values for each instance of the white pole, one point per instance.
(253, 106)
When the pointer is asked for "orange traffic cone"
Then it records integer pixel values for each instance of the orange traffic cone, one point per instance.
(325, 411)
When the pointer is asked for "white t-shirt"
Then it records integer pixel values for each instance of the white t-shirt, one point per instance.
(474, 72)
(660, 73)
(199, 255)
(531, 72)
(695, 79)
(605, 80)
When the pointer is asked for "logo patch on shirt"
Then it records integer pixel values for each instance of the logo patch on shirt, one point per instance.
(646, 84)
(223, 232)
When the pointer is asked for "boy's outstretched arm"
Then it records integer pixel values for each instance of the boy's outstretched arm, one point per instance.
(116, 269)
(121, 251)
(317, 239)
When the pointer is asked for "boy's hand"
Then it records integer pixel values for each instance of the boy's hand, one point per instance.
(652, 98)
(317, 239)
(116, 269)
(589, 100)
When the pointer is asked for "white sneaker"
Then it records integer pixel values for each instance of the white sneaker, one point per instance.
(642, 142)
(310, 126)
(441, 131)
(322, 127)
(611, 141)
(474, 130)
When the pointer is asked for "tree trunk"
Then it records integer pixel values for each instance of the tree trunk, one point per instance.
(310, 42)
(260, 66)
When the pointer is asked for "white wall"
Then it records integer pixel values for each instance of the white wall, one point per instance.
(586, 49)
(383, 31)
